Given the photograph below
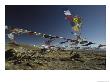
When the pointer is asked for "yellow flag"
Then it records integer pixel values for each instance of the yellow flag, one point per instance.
(75, 20)
(75, 28)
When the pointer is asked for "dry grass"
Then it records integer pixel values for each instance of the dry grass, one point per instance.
(19, 57)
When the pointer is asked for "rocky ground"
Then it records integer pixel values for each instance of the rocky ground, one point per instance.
(23, 57)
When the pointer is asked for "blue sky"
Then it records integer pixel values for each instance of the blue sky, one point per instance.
(51, 20)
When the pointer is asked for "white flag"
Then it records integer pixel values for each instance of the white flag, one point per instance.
(67, 12)
(11, 36)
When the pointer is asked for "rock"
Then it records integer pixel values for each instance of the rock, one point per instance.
(10, 54)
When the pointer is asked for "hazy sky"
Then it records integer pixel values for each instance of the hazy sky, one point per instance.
(51, 20)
